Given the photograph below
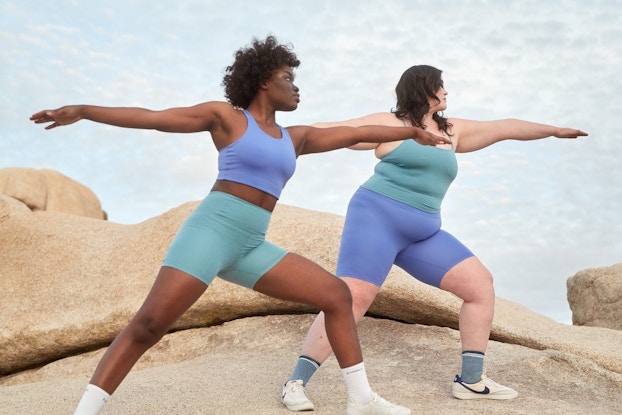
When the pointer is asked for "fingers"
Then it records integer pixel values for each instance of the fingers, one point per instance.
(432, 140)
(42, 116)
(45, 116)
(438, 140)
(576, 133)
(568, 133)
(37, 115)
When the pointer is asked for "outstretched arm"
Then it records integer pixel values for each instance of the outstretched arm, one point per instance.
(378, 118)
(179, 120)
(475, 135)
(363, 133)
(317, 140)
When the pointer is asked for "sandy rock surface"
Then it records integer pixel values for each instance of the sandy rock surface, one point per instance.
(69, 284)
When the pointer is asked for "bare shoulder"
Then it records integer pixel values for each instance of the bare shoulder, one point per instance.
(298, 135)
(219, 109)
(377, 118)
(382, 118)
(457, 122)
(226, 115)
(461, 125)
(227, 123)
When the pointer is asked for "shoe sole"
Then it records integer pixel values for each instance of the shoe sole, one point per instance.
(471, 395)
(307, 406)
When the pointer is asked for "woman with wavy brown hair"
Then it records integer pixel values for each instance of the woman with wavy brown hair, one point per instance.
(394, 219)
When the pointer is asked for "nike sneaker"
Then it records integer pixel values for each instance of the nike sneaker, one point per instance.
(484, 389)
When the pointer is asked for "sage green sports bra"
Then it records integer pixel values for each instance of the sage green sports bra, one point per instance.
(415, 174)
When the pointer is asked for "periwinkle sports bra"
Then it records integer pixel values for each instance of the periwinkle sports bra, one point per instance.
(258, 160)
(415, 174)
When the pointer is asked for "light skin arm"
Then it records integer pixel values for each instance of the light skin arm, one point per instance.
(317, 140)
(475, 135)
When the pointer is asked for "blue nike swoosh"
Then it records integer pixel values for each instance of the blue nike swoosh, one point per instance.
(486, 391)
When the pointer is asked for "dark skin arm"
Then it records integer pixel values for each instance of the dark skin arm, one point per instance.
(178, 120)
(222, 120)
(310, 140)
(226, 124)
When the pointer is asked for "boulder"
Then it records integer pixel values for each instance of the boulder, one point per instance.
(49, 190)
(69, 284)
(10, 207)
(595, 297)
(238, 368)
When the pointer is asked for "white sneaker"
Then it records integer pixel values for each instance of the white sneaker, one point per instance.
(378, 406)
(484, 389)
(294, 398)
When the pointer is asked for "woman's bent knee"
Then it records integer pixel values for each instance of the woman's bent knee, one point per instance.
(146, 331)
(338, 297)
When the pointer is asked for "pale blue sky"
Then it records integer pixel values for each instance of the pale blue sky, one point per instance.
(535, 213)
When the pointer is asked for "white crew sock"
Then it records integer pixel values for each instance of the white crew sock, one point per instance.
(93, 400)
(358, 384)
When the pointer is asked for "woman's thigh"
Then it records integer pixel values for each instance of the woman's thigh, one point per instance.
(376, 229)
(429, 260)
(298, 279)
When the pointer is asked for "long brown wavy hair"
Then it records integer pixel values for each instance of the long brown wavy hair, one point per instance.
(416, 85)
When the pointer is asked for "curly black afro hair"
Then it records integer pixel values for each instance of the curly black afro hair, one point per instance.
(252, 66)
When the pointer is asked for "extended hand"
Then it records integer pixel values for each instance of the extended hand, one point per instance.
(62, 116)
(570, 133)
(428, 139)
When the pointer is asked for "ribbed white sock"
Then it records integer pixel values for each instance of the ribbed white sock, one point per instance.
(93, 400)
(357, 384)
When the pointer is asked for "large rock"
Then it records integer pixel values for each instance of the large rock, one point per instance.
(49, 190)
(10, 206)
(239, 367)
(70, 284)
(595, 297)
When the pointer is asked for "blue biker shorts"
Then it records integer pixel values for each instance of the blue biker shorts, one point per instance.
(380, 231)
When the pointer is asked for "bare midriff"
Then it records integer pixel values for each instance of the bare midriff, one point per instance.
(250, 194)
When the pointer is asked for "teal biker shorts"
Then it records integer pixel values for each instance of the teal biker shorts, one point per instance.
(225, 236)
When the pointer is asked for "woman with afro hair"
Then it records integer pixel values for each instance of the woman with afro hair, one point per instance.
(225, 235)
